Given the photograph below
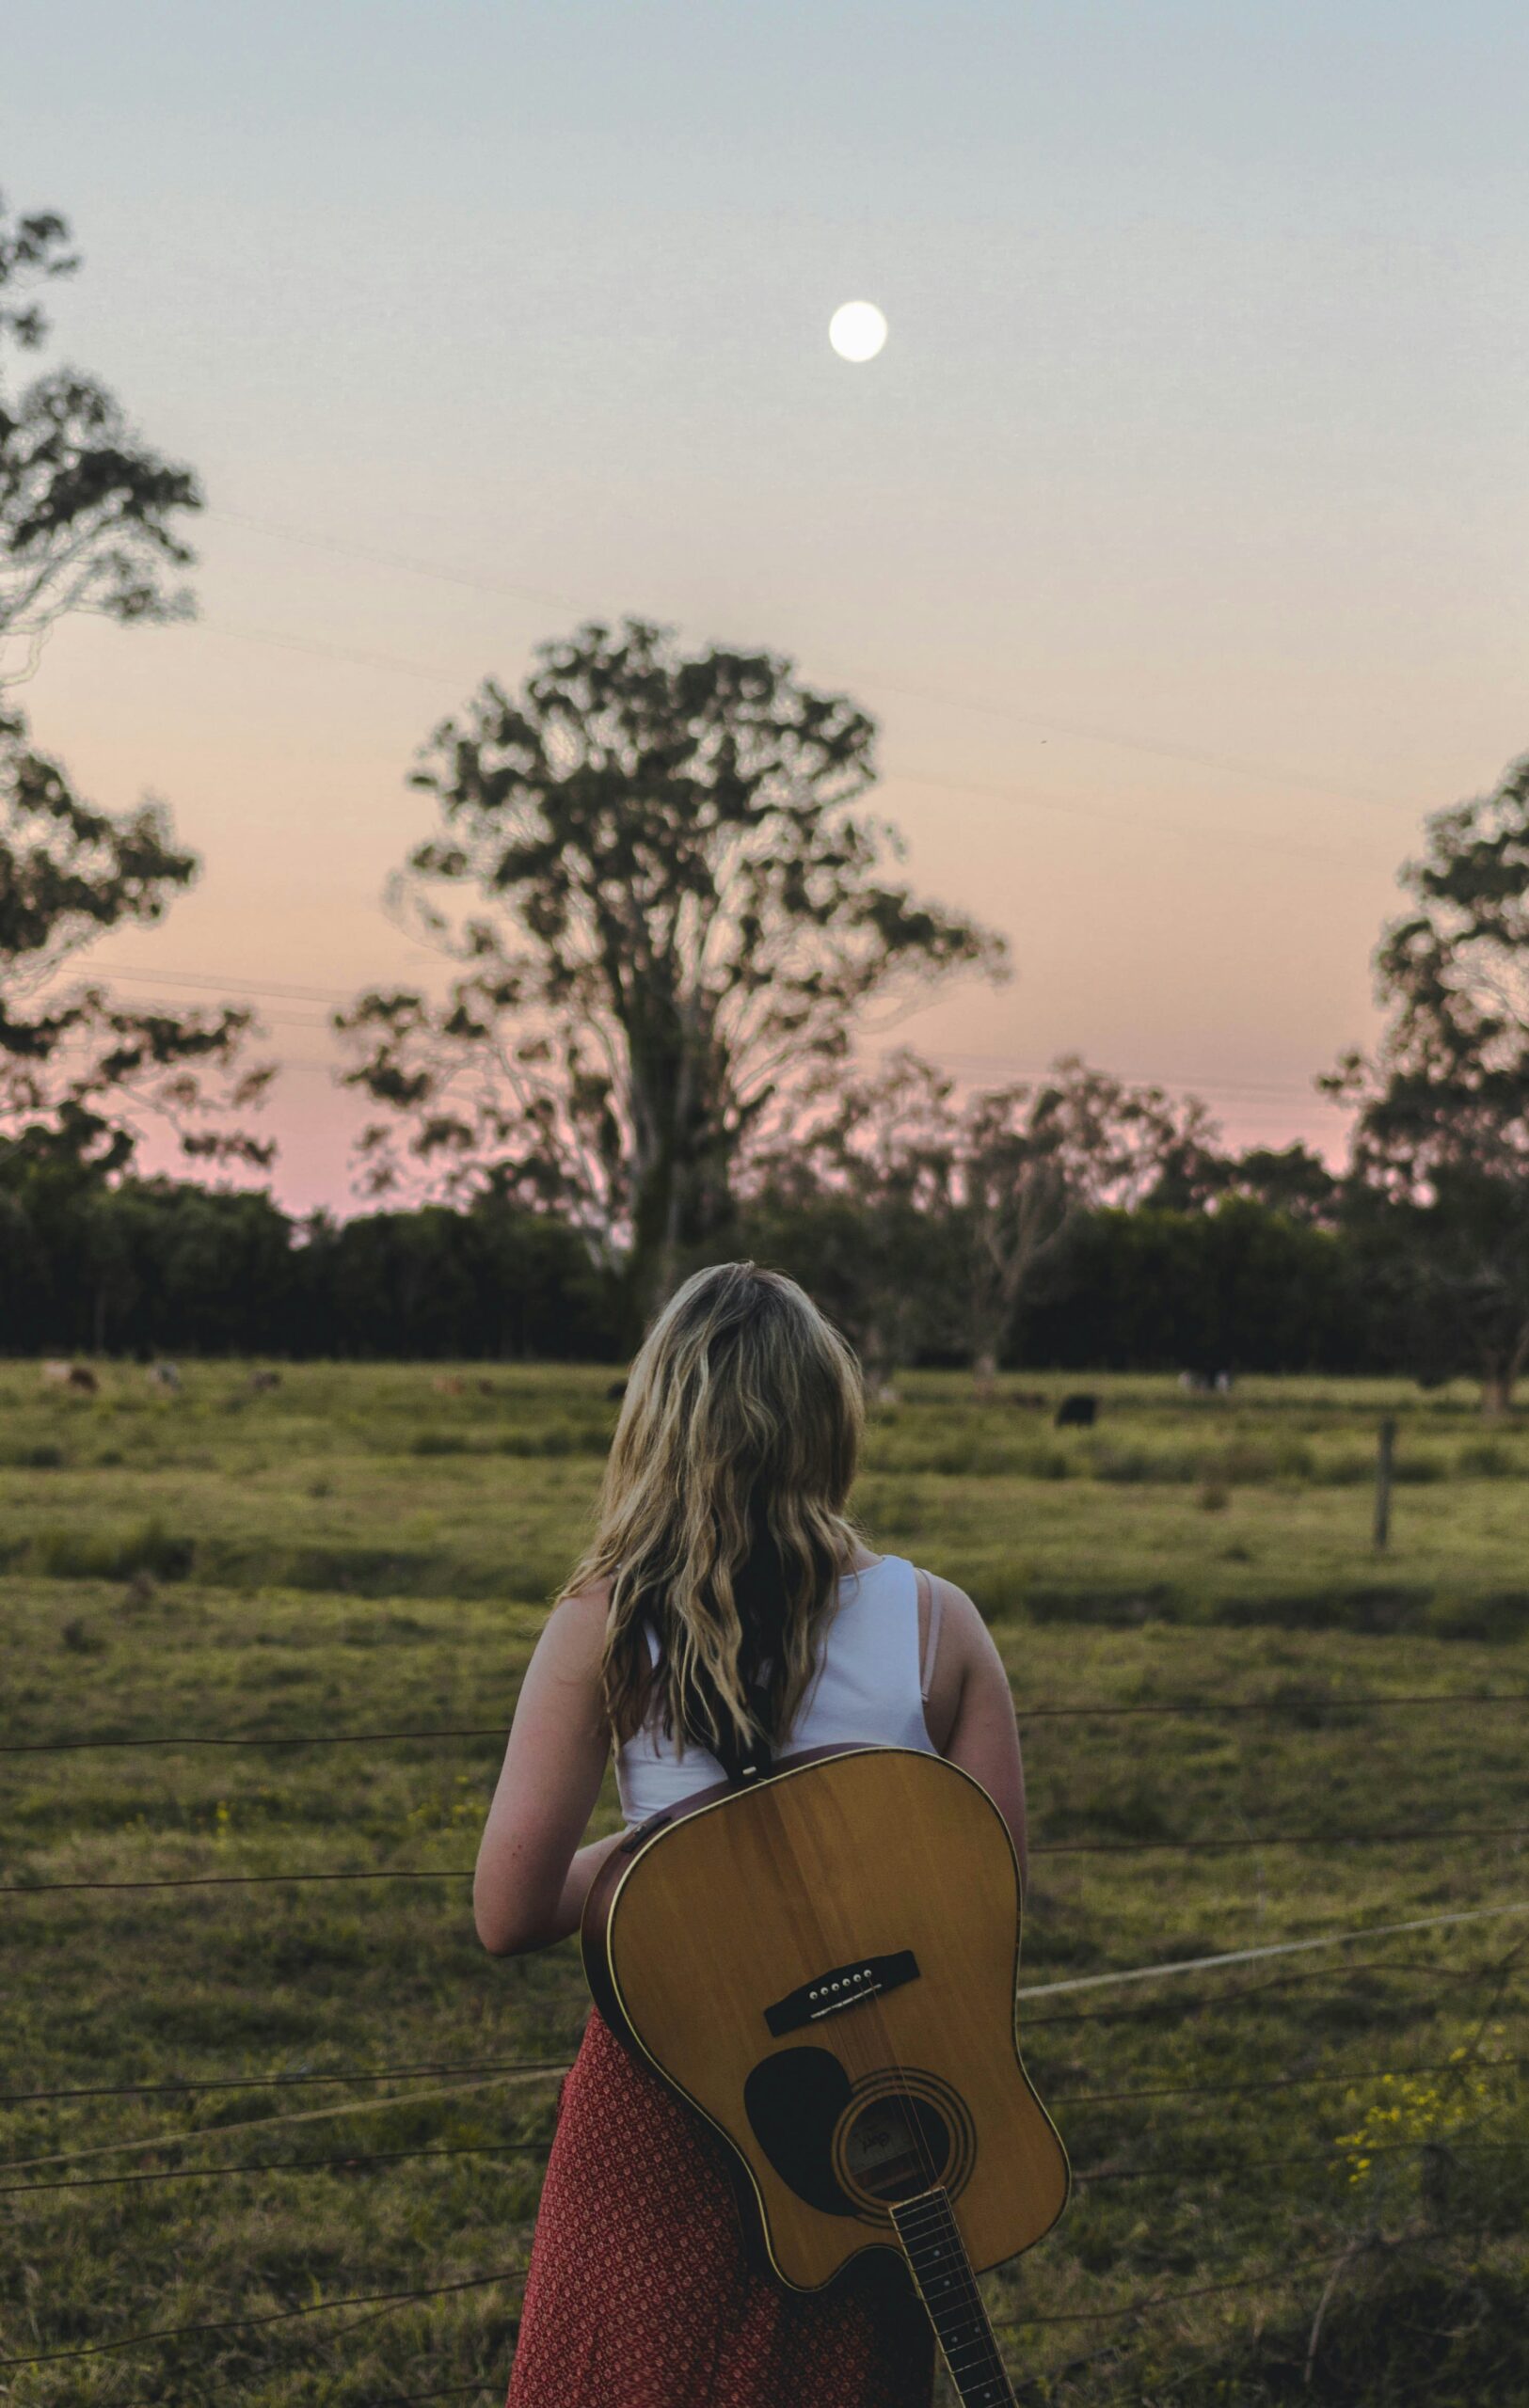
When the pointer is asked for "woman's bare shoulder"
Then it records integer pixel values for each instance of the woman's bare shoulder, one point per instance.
(592, 1600)
(957, 1610)
(574, 1631)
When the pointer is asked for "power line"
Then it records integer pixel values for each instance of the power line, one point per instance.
(399, 560)
(1411, 1833)
(1063, 807)
(219, 983)
(259, 988)
(1238, 765)
(1201, 1705)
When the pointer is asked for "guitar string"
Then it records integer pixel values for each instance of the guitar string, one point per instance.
(962, 2273)
(942, 2205)
(902, 2088)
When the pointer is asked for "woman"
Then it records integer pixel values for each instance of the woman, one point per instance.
(726, 1600)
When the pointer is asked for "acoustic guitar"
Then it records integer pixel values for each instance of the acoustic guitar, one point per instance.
(822, 1962)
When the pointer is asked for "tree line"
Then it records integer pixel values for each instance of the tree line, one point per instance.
(665, 912)
(162, 1268)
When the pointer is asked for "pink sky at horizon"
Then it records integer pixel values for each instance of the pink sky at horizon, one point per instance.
(1176, 540)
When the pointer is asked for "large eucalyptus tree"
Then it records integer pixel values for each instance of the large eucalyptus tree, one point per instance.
(83, 1075)
(1441, 1163)
(89, 520)
(663, 909)
(89, 516)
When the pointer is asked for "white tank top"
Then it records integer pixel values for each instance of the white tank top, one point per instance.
(868, 1686)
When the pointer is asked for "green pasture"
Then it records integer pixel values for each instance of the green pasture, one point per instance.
(371, 1549)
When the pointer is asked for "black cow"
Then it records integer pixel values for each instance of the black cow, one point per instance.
(1077, 1413)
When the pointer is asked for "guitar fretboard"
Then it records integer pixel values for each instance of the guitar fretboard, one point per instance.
(932, 2244)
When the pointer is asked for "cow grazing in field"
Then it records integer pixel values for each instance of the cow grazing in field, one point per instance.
(1078, 1413)
(447, 1383)
(165, 1376)
(77, 1378)
(262, 1382)
(1205, 1383)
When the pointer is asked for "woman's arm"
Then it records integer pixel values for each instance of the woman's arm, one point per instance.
(982, 1735)
(530, 1885)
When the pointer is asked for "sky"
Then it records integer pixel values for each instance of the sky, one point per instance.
(1177, 540)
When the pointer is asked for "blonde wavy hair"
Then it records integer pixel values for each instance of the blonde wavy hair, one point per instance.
(722, 1525)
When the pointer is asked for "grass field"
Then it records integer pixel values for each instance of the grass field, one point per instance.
(371, 1550)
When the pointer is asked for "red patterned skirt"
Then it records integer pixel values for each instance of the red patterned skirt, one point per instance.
(640, 2294)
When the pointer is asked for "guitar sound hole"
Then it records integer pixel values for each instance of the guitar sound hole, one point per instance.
(895, 2147)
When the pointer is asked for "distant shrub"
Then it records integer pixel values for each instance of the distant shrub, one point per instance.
(1501, 1613)
(1130, 1463)
(555, 1439)
(105, 1554)
(1489, 1459)
(81, 1638)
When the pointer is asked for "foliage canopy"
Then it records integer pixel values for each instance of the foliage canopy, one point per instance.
(676, 912)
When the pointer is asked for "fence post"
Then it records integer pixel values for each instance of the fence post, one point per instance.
(1382, 1482)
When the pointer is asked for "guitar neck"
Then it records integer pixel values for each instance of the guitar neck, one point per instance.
(936, 2253)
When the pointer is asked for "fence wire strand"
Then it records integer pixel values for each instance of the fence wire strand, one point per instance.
(1411, 1834)
(1084, 1709)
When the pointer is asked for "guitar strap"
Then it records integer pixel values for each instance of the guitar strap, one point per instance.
(742, 1765)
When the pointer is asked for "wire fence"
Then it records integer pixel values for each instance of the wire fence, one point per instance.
(1299, 1703)
(1209, 2170)
(1146, 2304)
(1397, 1835)
(466, 2076)
(561, 2064)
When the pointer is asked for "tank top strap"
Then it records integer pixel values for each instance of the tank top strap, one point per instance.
(930, 1595)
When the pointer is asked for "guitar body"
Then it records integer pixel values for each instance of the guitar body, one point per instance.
(823, 1964)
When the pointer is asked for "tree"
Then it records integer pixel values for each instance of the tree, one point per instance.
(1244, 1286)
(857, 1200)
(81, 1077)
(1033, 1160)
(954, 1214)
(1441, 1152)
(88, 513)
(1022, 1198)
(1292, 1181)
(678, 916)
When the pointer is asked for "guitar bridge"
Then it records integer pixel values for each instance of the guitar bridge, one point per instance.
(844, 1985)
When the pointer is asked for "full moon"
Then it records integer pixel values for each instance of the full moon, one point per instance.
(858, 331)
